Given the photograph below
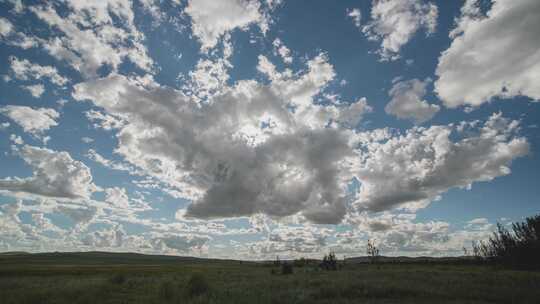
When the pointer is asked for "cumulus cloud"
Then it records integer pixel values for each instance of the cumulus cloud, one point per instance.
(114, 237)
(478, 65)
(407, 101)
(9, 35)
(80, 215)
(394, 23)
(356, 16)
(34, 121)
(117, 197)
(55, 174)
(36, 90)
(269, 148)
(181, 243)
(213, 19)
(25, 70)
(5, 27)
(90, 37)
(251, 148)
(413, 169)
(282, 50)
(87, 140)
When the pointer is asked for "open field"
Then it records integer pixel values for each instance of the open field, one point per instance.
(129, 278)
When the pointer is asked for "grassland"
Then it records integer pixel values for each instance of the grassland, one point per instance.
(128, 278)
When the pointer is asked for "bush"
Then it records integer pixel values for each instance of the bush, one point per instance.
(300, 262)
(118, 279)
(197, 285)
(167, 290)
(518, 248)
(329, 262)
(286, 268)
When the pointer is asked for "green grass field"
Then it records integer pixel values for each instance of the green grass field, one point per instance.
(105, 278)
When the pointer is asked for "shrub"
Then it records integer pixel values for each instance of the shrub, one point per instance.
(197, 285)
(118, 279)
(167, 290)
(300, 262)
(286, 268)
(329, 262)
(518, 248)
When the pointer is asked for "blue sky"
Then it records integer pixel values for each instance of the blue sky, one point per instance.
(251, 129)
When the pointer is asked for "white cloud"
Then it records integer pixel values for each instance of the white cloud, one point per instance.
(411, 170)
(242, 152)
(55, 174)
(18, 6)
(104, 121)
(16, 139)
(209, 77)
(492, 56)
(283, 51)
(98, 158)
(356, 15)
(213, 19)
(87, 140)
(117, 197)
(246, 151)
(5, 27)
(25, 70)
(90, 37)
(15, 38)
(4, 125)
(78, 214)
(35, 90)
(394, 23)
(34, 121)
(181, 243)
(108, 238)
(407, 101)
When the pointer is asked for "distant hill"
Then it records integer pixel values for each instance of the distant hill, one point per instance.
(406, 259)
(96, 258)
(127, 258)
(14, 253)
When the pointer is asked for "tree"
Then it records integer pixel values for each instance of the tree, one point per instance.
(517, 248)
(372, 251)
(277, 261)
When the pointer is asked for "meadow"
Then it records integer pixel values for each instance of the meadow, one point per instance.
(131, 278)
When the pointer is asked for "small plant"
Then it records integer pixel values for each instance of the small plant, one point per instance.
(197, 285)
(286, 268)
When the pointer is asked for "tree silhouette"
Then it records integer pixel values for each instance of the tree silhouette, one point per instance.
(372, 251)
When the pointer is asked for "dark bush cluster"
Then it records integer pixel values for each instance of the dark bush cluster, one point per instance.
(118, 279)
(197, 285)
(286, 268)
(301, 262)
(329, 262)
(517, 248)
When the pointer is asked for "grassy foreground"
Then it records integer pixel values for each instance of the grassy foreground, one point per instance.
(143, 279)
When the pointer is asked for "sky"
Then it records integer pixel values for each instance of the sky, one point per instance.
(251, 129)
